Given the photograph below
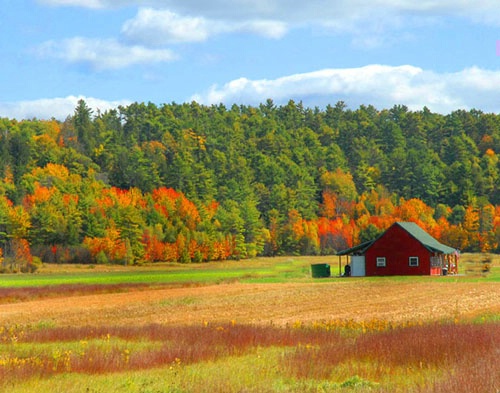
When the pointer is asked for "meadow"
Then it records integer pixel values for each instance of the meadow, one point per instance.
(262, 325)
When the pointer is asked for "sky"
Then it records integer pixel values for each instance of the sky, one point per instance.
(441, 54)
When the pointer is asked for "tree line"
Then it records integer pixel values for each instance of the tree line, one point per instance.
(188, 182)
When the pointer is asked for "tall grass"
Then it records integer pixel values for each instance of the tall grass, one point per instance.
(462, 356)
(175, 345)
(418, 358)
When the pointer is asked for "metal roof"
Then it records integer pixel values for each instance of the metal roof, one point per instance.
(423, 237)
(414, 230)
(360, 248)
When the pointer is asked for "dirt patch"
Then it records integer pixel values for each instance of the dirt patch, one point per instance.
(265, 303)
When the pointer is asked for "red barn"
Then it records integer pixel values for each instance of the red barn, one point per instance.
(403, 249)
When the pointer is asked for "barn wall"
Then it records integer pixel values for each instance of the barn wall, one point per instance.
(397, 245)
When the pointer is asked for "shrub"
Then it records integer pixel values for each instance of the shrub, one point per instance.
(32, 267)
(101, 258)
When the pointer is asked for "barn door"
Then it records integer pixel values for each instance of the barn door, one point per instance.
(358, 266)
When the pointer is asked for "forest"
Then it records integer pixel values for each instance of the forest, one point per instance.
(193, 183)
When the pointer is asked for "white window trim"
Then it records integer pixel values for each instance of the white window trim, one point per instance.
(412, 260)
(381, 262)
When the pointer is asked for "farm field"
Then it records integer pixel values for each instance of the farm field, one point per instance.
(260, 325)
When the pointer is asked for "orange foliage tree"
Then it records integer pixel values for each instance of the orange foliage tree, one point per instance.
(110, 248)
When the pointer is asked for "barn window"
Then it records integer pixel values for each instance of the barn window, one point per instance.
(380, 261)
(413, 261)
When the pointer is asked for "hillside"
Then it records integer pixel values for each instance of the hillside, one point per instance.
(186, 182)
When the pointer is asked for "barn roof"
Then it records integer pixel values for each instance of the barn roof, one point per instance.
(359, 249)
(414, 230)
(423, 237)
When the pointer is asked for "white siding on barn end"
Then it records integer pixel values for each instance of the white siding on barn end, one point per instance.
(358, 266)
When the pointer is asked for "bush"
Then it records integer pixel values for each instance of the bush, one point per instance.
(101, 258)
(33, 266)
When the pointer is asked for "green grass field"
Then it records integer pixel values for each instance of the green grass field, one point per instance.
(271, 270)
(264, 270)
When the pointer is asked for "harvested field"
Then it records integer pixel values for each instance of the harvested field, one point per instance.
(280, 304)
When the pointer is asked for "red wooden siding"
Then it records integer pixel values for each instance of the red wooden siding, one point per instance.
(397, 246)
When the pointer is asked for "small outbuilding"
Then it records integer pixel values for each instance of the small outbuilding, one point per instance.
(403, 249)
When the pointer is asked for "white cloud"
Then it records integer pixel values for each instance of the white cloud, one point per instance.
(159, 27)
(380, 85)
(103, 54)
(306, 11)
(370, 23)
(265, 28)
(162, 27)
(58, 108)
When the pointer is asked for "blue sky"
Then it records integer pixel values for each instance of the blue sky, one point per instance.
(439, 54)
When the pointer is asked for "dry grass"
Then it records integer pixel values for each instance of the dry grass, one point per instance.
(262, 262)
(24, 294)
(355, 299)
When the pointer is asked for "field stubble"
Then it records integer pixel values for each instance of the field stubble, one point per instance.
(280, 304)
